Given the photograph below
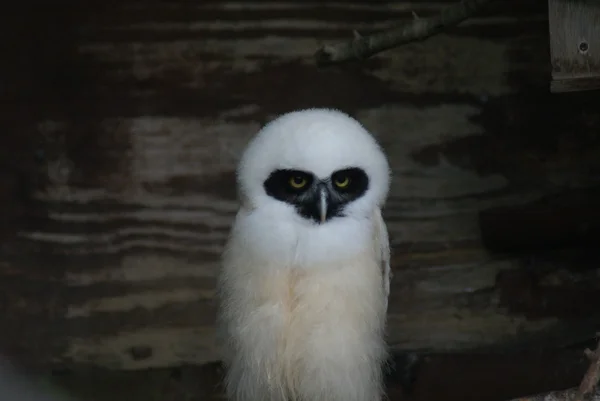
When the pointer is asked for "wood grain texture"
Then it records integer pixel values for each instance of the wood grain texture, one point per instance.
(441, 377)
(574, 45)
(571, 219)
(128, 122)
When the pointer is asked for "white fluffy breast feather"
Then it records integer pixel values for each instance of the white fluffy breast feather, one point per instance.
(302, 309)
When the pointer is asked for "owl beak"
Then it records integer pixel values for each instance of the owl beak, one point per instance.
(323, 195)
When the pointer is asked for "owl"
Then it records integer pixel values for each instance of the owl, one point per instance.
(305, 276)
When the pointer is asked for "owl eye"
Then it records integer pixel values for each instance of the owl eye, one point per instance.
(342, 182)
(297, 182)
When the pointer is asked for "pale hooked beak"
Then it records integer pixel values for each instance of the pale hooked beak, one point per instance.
(323, 204)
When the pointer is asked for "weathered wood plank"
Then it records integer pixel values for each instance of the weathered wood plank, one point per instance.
(574, 44)
(136, 148)
(567, 220)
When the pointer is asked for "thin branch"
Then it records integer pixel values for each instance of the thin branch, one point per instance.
(363, 47)
(588, 389)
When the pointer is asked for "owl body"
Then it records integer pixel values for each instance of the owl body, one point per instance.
(302, 303)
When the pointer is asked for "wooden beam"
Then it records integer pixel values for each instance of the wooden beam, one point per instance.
(574, 84)
(574, 44)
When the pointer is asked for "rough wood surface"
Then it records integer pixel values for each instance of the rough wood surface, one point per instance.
(123, 124)
(574, 44)
(571, 219)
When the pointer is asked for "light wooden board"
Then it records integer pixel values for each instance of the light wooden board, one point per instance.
(574, 44)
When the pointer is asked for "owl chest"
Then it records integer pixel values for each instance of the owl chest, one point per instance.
(297, 304)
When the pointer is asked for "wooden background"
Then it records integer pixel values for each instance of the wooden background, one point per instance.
(123, 121)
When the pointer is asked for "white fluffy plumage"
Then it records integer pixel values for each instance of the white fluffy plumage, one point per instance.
(302, 303)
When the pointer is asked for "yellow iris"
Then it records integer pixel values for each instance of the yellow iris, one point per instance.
(342, 183)
(297, 182)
